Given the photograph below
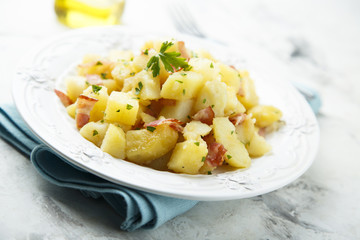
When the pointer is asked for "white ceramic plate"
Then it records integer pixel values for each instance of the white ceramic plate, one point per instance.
(294, 146)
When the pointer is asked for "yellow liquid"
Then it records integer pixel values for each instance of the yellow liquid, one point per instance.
(83, 13)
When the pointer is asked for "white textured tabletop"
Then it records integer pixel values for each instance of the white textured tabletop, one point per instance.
(317, 40)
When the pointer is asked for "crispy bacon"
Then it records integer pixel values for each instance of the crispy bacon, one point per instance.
(94, 79)
(65, 100)
(237, 119)
(172, 122)
(209, 138)
(205, 115)
(154, 108)
(84, 106)
(167, 102)
(216, 152)
(182, 50)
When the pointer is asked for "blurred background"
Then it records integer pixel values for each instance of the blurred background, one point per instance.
(317, 40)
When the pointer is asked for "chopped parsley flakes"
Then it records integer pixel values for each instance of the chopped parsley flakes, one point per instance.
(103, 75)
(96, 89)
(151, 129)
(129, 107)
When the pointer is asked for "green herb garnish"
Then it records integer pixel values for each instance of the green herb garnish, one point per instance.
(211, 65)
(183, 74)
(95, 133)
(129, 107)
(118, 110)
(103, 75)
(138, 89)
(171, 60)
(98, 63)
(228, 156)
(132, 74)
(203, 159)
(209, 172)
(151, 129)
(232, 132)
(197, 143)
(184, 92)
(204, 100)
(96, 89)
(146, 52)
(179, 81)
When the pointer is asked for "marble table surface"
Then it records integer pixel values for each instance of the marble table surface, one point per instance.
(317, 40)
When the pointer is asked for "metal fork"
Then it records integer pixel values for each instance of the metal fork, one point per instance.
(185, 23)
(183, 20)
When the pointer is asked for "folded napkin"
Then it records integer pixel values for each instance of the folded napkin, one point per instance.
(137, 209)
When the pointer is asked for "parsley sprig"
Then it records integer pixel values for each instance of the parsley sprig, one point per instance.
(171, 60)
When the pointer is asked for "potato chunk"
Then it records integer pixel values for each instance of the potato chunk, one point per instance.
(224, 133)
(114, 142)
(120, 72)
(247, 94)
(245, 130)
(213, 94)
(94, 132)
(144, 146)
(122, 108)
(207, 68)
(195, 130)
(181, 110)
(265, 115)
(258, 146)
(182, 86)
(230, 76)
(97, 113)
(71, 110)
(75, 86)
(233, 106)
(188, 156)
(145, 86)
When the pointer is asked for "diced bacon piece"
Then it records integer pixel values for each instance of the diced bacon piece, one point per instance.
(154, 108)
(182, 50)
(84, 106)
(209, 138)
(215, 156)
(172, 122)
(167, 102)
(237, 119)
(65, 100)
(205, 115)
(150, 112)
(94, 79)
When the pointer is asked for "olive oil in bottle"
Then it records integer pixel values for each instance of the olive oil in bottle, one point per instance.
(83, 13)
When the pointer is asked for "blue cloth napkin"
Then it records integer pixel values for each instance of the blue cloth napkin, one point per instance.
(137, 209)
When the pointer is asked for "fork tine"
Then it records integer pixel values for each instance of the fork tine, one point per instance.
(183, 20)
(174, 14)
(189, 20)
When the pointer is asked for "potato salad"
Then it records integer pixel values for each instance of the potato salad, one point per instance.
(169, 108)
